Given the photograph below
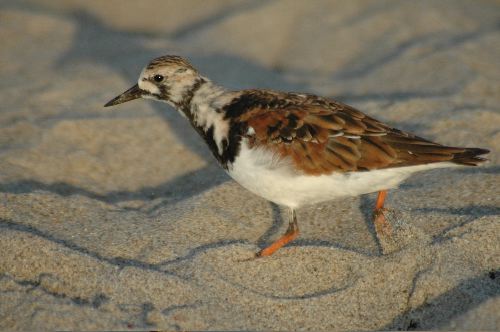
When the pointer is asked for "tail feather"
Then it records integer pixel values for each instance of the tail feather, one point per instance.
(414, 150)
(470, 157)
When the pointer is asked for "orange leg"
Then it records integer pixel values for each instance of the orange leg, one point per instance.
(380, 199)
(382, 226)
(291, 233)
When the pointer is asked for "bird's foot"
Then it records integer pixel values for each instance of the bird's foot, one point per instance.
(289, 236)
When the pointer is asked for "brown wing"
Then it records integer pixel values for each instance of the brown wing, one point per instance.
(323, 136)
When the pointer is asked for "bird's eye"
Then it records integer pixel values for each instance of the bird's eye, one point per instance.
(158, 78)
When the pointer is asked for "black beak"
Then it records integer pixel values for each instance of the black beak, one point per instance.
(131, 94)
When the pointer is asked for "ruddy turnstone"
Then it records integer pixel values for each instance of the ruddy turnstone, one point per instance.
(294, 149)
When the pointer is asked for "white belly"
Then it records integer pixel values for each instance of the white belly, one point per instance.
(266, 175)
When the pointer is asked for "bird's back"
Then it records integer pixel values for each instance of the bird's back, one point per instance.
(322, 136)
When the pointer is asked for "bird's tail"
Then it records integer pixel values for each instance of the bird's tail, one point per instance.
(470, 156)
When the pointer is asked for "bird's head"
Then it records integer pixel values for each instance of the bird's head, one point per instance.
(168, 78)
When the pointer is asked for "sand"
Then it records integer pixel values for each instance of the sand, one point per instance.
(120, 219)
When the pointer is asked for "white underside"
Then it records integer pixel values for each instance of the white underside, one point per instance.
(274, 179)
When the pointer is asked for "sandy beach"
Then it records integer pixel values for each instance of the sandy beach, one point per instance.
(120, 219)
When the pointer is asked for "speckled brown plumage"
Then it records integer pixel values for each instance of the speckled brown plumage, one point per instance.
(324, 136)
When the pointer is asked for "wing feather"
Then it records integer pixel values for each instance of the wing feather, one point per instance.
(322, 136)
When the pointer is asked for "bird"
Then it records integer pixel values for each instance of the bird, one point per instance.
(294, 149)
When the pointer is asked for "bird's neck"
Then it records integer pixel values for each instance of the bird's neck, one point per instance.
(203, 104)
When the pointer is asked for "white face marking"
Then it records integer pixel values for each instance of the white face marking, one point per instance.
(146, 85)
(149, 87)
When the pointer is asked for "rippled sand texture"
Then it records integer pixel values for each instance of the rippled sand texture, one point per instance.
(120, 219)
